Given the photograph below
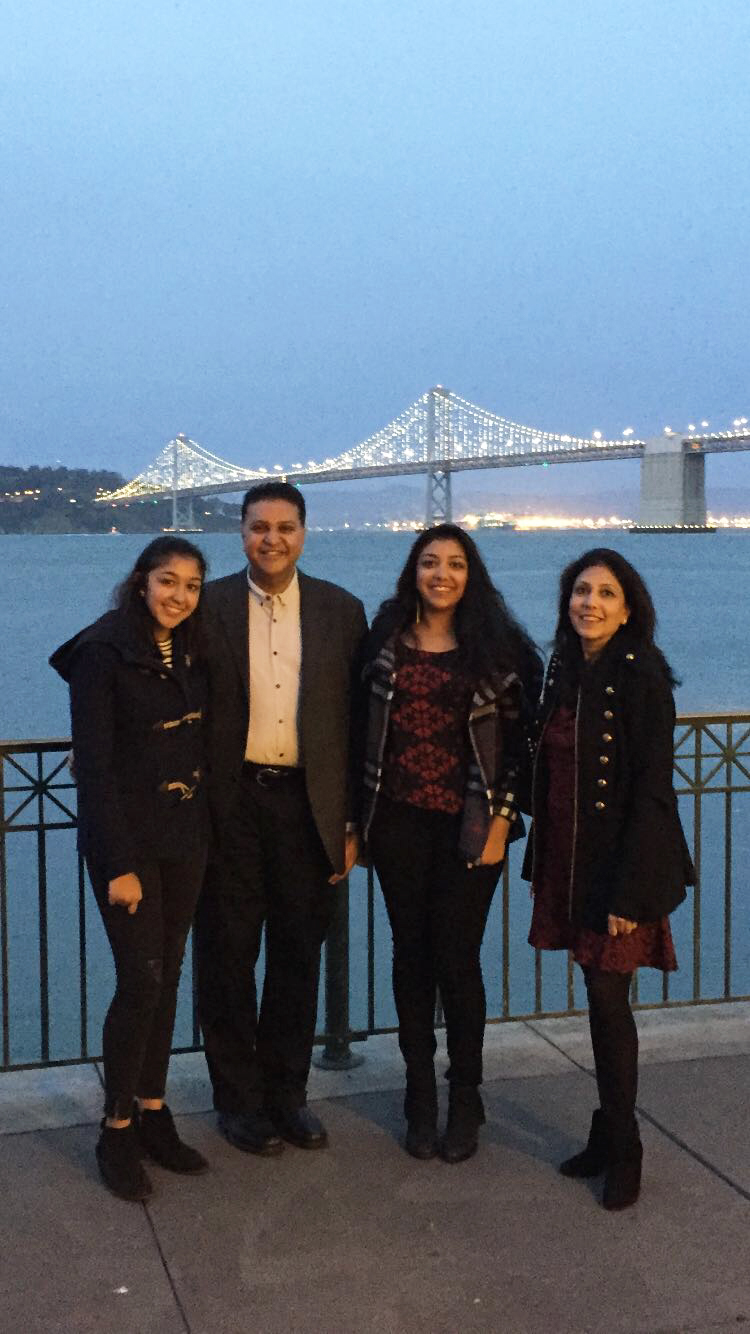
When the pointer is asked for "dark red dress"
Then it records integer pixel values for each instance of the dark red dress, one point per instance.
(649, 946)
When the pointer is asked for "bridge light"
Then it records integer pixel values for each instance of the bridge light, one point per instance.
(277, 467)
(704, 423)
(596, 435)
(691, 426)
(628, 431)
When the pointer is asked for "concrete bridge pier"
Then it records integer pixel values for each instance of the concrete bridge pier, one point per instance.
(183, 519)
(673, 490)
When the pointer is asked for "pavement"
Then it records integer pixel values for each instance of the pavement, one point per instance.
(362, 1239)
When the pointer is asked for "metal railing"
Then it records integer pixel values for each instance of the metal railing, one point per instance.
(56, 975)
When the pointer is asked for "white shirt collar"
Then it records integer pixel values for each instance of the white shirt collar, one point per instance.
(289, 596)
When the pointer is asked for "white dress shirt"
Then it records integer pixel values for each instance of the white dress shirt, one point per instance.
(275, 649)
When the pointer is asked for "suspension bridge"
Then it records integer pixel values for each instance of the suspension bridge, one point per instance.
(441, 434)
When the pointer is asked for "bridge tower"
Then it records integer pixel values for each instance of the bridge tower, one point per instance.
(182, 506)
(438, 509)
(673, 484)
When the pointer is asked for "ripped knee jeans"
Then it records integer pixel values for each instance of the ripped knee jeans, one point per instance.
(148, 947)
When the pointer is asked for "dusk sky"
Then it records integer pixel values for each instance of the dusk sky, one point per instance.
(274, 225)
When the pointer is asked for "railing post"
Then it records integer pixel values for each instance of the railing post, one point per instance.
(4, 988)
(337, 1053)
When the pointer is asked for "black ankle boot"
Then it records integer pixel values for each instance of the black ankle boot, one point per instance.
(422, 1138)
(118, 1154)
(421, 1112)
(465, 1116)
(594, 1158)
(622, 1183)
(158, 1137)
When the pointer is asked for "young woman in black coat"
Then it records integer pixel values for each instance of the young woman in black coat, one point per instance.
(137, 692)
(607, 857)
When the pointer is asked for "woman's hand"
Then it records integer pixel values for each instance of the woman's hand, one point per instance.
(620, 926)
(494, 849)
(125, 891)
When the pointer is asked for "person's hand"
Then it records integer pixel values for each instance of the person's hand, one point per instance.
(494, 849)
(620, 926)
(351, 853)
(125, 891)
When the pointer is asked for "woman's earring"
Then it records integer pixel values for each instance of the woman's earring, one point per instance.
(418, 616)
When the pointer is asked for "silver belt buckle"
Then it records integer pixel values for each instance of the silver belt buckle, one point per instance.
(266, 772)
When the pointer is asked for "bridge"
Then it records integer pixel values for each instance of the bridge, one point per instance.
(441, 434)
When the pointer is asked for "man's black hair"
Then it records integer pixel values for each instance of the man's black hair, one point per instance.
(274, 490)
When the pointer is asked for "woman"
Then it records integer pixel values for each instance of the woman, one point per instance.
(445, 675)
(137, 688)
(607, 857)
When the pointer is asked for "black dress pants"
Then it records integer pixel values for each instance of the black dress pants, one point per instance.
(148, 947)
(272, 871)
(438, 911)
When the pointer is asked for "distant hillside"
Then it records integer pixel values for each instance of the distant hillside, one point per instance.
(61, 500)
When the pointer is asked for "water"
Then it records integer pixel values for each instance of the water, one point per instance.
(54, 585)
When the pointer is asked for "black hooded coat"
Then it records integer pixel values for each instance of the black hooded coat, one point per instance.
(138, 744)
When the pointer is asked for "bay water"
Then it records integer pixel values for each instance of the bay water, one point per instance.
(54, 585)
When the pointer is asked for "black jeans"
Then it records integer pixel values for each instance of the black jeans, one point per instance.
(614, 1038)
(271, 870)
(438, 911)
(148, 947)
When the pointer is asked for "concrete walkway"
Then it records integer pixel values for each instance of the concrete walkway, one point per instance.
(362, 1239)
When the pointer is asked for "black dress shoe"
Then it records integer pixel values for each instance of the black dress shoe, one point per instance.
(252, 1132)
(299, 1126)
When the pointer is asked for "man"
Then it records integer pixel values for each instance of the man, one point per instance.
(282, 647)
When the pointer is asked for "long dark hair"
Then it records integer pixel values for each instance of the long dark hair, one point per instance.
(489, 637)
(641, 625)
(127, 595)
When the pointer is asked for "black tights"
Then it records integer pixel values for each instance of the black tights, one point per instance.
(614, 1038)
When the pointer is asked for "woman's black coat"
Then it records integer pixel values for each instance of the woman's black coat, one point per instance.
(137, 744)
(630, 857)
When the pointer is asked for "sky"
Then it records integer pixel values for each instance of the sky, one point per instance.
(273, 225)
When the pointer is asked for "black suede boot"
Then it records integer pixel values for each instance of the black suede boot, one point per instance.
(594, 1158)
(421, 1110)
(622, 1183)
(158, 1137)
(465, 1116)
(118, 1154)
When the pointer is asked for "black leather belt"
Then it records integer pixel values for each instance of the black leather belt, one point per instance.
(267, 775)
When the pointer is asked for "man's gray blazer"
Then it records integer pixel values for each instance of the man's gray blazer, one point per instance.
(333, 626)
